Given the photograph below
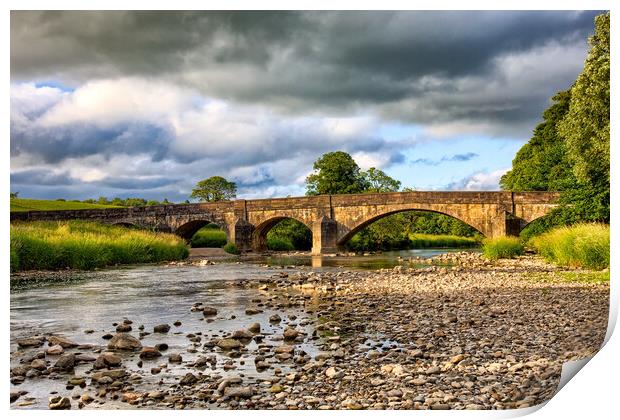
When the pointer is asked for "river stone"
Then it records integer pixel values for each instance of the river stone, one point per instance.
(334, 373)
(65, 362)
(149, 353)
(106, 360)
(252, 311)
(31, 342)
(175, 358)
(124, 341)
(208, 311)
(254, 328)
(290, 333)
(54, 350)
(284, 349)
(38, 364)
(59, 403)
(228, 344)
(238, 391)
(188, 379)
(60, 341)
(162, 328)
(123, 328)
(242, 334)
(110, 374)
(275, 318)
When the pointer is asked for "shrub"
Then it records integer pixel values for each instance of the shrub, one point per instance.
(231, 248)
(279, 244)
(209, 236)
(502, 247)
(88, 245)
(582, 245)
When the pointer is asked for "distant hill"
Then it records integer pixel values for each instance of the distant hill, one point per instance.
(28, 204)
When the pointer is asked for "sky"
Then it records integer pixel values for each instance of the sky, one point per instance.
(146, 104)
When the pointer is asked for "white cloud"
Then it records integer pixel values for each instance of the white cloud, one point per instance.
(480, 181)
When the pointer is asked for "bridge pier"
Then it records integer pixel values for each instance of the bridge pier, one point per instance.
(324, 236)
(241, 235)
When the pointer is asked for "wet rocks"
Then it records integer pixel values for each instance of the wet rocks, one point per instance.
(62, 342)
(124, 341)
(175, 358)
(188, 379)
(239, 392)
(54, 350)
(65, 362)
(254, 328)
(107, 360)
(242, 335)
(209, 311)
(31, 342)
(334, 373)
(59, 403)
(161, 329)
(111, 375)
(229, 344)
(275, 318)
(149, 353)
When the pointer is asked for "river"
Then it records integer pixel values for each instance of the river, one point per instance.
(85, 308)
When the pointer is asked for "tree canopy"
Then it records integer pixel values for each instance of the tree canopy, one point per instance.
(378, 181)
(335, 173)
(215, 188)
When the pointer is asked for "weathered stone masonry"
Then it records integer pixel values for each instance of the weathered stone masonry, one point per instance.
(333, 219)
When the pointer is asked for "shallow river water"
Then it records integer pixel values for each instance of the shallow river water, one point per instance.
(152, 295)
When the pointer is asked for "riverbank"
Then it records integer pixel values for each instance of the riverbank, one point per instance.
(475, 335)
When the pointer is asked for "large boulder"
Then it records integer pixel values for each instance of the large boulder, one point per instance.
(228, 344)
(66, 362)
(124, 341)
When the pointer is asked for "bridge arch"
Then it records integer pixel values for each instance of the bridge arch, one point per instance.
(349, 231)
(188, 229)
(259, 235)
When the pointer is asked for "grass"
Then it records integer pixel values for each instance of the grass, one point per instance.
(562, 277)
(231, 248)
(278, 244)
(210, 236)
(582, 246)
(87, 245)
(421, 240)
(28, 204)
(502, 247)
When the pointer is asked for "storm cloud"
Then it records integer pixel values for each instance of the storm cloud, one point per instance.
(242, 93)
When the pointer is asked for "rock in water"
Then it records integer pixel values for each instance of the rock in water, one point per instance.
(208, 311)
(65, 362)
(62, 342)
(238, 391)
(149, 353)
(290, 333)
(124, 341)
(228, 344)
(162, 328)
(59, 403)
(255, 328)
(242, 334)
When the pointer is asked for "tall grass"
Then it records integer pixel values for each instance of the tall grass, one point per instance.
(502, 247)
(87, 245)
(422, 240)
(210, 236)
(279, 244)
(582, 245)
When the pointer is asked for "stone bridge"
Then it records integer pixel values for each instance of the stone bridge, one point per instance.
(333, 219)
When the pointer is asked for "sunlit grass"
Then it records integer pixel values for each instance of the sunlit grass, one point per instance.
(27, 204)
(88, 245)
(422, 240)
(210, 236)
(582, 245)
(502, 247)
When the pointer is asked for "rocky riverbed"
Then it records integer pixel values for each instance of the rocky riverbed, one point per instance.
(469, 335)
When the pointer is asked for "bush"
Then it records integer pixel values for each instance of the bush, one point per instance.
(582, 245)
(278, 244)
(231, 248)
(87, 245)
(502, 247)
(420, 240)
(209, 236)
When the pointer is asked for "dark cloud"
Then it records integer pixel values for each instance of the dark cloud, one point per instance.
(304, 61)
(464, 157)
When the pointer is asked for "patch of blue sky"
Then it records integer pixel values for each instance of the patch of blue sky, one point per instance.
(54, 84)
(432, 166)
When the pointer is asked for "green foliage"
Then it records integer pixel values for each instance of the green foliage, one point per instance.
(215, 188)
(231, 248)
(279, 244)
(586, 125)
(570, 150)
(210, 236)
(378, 181)
(293, 232)
(335, 173)
(582, 245)
(541, 164)
(502, 247)
(27, 204)
(422, 240)
(88, 245)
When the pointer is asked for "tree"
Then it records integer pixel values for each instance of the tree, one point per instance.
(335, 173)
(586, 125)
(541, 164)
(14, 194)
(215, 188)
(378, 181)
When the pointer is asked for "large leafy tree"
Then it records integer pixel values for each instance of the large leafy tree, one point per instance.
(335, 173)
(378, 181)
(541, 164)
(215, 188)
